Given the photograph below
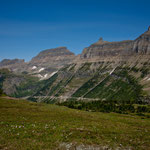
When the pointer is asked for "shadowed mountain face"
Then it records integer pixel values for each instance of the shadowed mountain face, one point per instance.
(142, 43)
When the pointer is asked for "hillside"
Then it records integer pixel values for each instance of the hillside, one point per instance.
(111, 71)
(19, 85)
(28, 125)
(106, 71)
(99, 80)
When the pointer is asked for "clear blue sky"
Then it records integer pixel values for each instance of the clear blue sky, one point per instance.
(29, 26)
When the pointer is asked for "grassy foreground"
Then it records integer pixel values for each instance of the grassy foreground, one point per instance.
(27, 125)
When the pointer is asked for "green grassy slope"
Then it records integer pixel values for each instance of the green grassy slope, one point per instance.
(27, 125)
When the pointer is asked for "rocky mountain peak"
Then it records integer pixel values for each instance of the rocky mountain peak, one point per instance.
(56, 51)
(100, 42)
(100, 39)
(47, 61)
(8, 62)
(142, 43)
(11, 61)
(147, 33)
(54, 58)
(13, 64)
(105, 50)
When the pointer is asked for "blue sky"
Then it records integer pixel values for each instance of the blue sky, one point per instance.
(30, 26)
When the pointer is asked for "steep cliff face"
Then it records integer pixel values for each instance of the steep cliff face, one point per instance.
(54, 58)
(49, 61)
(103, 50)
(142, 43)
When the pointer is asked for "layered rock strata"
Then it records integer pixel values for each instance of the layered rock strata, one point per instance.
(104, 50)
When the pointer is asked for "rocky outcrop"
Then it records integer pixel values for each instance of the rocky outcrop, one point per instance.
(15, 65)
(50, 61)
(142, 43)
(104, 49)
(47, 61)
(53, 58)
(7, 62)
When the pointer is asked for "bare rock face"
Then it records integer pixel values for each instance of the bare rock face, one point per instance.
(14, 65)
(47, 61)
(54, 58)
(7, 62)
(102, 49)
(112, 50)
(51, 60)
(10, 84)
(142, 43)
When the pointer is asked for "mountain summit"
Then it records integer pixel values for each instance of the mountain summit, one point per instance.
(54, 58)
(103, 50)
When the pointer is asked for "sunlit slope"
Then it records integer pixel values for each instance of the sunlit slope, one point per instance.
(119, 81)
(27, 125)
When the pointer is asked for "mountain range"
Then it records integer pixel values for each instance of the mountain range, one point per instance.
(103, 71)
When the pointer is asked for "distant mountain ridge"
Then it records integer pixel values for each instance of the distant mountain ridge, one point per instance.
(105, 70)
(103, 50)
(54, 59)
(42, 65)
(15, 65)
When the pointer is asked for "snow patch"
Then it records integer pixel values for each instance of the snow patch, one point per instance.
(45, 75)
(53, 73)
(41, 69)
(40, 76)
(145, 78)
(34, 67)
(112, 71)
